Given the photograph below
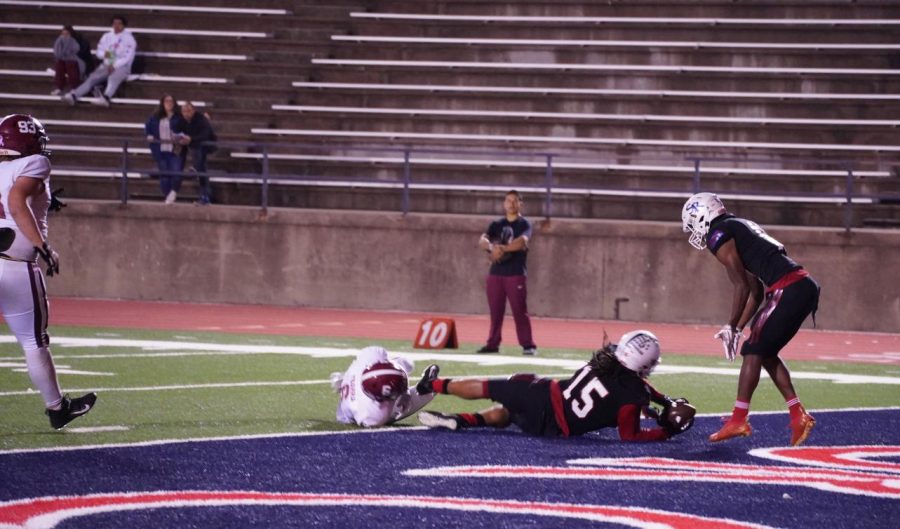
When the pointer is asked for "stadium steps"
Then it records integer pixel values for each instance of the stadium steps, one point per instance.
(297, 47)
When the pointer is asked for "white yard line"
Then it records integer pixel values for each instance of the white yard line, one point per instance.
(178, 387)
(163, 347)
(96, 429)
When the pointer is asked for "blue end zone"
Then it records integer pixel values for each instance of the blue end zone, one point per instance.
(366, 465)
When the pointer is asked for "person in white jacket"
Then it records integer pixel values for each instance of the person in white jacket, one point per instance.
(374, 391)
(116, 51)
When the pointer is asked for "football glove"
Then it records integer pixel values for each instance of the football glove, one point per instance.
(55, 203)
(677, 417)
(337, 379)
(651, 412)
(50, 257)
(731, 338)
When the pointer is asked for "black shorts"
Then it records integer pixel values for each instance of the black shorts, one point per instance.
(527, 399)
(780, 317)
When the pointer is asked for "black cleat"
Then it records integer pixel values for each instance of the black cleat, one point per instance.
(71, 409)
(487, 349)
(428, 376)
(433, 419)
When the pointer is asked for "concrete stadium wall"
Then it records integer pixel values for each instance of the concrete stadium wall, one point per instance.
(375, 260)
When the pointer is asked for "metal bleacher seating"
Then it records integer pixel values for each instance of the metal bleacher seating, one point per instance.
(632, 103)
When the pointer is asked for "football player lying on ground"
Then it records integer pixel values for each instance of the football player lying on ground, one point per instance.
(374, 391)
(609, 391)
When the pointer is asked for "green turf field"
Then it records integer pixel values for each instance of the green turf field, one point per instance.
(166, 385)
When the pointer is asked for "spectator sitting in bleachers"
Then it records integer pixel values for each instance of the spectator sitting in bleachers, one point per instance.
(197, 130)
(116, 51)
(167, 153)
(84, 52)
(69, 67)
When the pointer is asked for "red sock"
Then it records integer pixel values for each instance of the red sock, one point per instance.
(740, 411)
(472, 419)
(794, 407)
(439, 385)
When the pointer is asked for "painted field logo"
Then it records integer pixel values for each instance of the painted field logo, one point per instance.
(48, 512)
(843, 469)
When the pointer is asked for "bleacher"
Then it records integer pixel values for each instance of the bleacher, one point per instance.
(633, 105)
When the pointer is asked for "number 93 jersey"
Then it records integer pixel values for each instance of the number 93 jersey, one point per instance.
(592, 400)
(34, 166)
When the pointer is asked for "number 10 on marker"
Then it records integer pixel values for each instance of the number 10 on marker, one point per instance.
(436, 333)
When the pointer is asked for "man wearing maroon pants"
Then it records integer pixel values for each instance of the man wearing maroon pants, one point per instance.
(506, 241)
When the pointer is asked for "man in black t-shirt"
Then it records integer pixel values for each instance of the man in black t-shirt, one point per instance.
(506, 242)
(609, 391)
(762, 274)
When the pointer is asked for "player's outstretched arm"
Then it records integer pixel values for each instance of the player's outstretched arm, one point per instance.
(629, 426)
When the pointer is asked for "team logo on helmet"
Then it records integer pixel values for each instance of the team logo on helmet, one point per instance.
(697, 214)
(639, 352)
(383, 381)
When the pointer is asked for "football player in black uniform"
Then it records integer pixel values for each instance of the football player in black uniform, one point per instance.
(609, 391)
(769, 288)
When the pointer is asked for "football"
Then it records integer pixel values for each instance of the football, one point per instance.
(680, 415)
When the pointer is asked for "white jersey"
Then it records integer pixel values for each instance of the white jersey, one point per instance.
(34, 166)
(355, 407)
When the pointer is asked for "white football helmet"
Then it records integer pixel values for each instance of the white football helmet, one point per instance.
(639, 352)
(698, 212)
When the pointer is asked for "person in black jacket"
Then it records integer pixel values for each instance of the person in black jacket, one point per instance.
(196, 132)
(84, 52)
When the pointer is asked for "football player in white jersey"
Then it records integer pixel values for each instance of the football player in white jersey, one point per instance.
(24, 202)
(374, 391)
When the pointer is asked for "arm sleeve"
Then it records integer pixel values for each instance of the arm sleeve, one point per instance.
(629, 424)
(718, 237)
(36, 166)
(102, 46)
(408, 404)
(58, 48)
(202, 131)
(527, 232)
(492, 232)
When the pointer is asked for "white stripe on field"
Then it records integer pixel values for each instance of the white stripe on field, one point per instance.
(428, 357)
(182, 386)
(96, 429)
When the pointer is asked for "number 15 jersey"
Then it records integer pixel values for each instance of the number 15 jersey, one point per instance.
(592, 400)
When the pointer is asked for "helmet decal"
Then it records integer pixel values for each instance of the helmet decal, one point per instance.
(698, 212)
(639, 352)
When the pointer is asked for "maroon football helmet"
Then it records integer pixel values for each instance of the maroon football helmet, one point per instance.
(383, 381)
(22, 135)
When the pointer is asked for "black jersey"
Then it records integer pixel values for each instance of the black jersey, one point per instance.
(592, 400)
(762, 255)
(502, 231)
